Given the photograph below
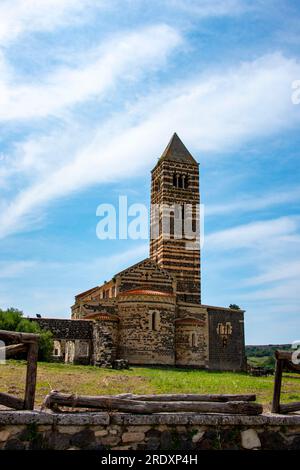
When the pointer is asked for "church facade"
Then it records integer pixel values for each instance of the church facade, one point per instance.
(151, 313)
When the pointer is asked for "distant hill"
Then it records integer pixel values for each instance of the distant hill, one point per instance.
(265, 349)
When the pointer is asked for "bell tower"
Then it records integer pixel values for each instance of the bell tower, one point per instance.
(175, 231)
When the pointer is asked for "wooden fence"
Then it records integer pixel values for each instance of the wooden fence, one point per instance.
(283, 362)
(28, 343)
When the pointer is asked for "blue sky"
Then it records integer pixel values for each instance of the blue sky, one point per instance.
(90, 93)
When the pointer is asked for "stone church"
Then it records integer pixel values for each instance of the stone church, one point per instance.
(151, 313)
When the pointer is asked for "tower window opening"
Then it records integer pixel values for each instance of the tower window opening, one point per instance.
(180, 181)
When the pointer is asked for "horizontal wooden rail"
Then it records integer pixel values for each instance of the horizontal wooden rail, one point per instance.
(188, 397)
(11, 402)
(18, 337)
(112, 403)
(289, 407)
(13, 349)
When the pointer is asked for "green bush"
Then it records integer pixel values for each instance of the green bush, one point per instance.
(13, 320)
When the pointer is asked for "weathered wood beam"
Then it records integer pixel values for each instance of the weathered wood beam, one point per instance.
(146, 407)
(11, 401)
(31, 374)
(18, 337)
(13, 349)
(284, 355)
(188, 397)
(277, 385)
(289, 407)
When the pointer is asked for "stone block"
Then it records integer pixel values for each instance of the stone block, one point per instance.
(271, 440)
(133, 437)
(110, 440)
(250, 439)
(198, 436)
(13, 430)
(138, 428)
(101, 433)
(83, 439)
(68, 429)
(4, 435)
(166, 440)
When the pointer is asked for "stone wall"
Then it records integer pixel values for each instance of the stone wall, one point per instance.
(226, 339)
(191, 336)
(105, 342)
(72, 339)
(147, 328)
(167, 431)
(66, 329)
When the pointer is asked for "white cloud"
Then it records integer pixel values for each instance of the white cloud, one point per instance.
(52, 295)
(284, 291)
(255, 234)
(276, 272)
(15, 269)
(249, 204)
(257, 266)
(212, 114)
(124, 57)
(21, 16)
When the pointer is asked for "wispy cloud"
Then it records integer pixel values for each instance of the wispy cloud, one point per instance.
(255, 234)
(13, 269)
(124, 57)
(249, 204)
(257, 266)
(276, 272)
(22, 16)
(212, 113)
(60, 280)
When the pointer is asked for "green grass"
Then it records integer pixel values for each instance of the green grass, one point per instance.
(90, 380)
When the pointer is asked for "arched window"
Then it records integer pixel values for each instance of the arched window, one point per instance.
(154, 320)
(193, 340)
(180, 181)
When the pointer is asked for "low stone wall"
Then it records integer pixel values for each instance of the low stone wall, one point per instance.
(166, 431)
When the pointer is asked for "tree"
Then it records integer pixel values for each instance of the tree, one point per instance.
(234, 307)
(12, 320)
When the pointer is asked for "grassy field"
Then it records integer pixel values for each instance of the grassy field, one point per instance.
(94, 381)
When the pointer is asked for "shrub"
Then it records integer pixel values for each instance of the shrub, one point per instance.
(13, 320)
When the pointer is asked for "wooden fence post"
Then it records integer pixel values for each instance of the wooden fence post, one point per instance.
(32, 357)
(277, 386)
